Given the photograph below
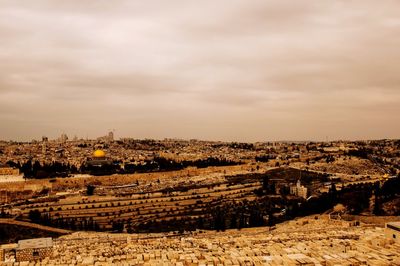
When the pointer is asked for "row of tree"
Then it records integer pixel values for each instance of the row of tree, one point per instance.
(85, 224)
(34, 169)
(163, 164)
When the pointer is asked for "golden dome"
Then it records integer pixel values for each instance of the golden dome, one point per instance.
(99, 154)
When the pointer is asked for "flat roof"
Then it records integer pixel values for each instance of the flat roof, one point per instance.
(9, 246)
(394, 226)
(35, 243)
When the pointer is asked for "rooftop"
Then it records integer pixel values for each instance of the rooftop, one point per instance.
(35, 243)
(395, 224)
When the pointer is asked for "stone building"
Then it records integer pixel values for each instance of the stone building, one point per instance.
(299, 190)
(392, 231)
(8, 171)
(99, 164)
(34, 249)
(2, 255)
(6, 249)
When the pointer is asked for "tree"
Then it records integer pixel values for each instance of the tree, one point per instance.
(233, 222)
(3, 213)
(34, 216)
(377, 204)
(219, 219)
(333, 193)
(90, 189)
(265, 183)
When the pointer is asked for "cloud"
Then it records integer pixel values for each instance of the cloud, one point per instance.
(284, 69)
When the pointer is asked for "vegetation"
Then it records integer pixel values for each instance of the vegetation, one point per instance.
(33, 169)
(246, 200)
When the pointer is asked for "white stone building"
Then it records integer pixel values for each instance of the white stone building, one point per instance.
(299, 190)
(392, 231)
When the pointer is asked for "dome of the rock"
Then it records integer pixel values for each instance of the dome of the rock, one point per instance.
(99, 154)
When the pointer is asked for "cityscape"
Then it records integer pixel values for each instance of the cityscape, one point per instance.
(183, 201)
(199, 133)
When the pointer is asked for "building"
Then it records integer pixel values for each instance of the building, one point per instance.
(10, 174)
(5, 250)
(99, 164)
(110, 136)
(298, 190)
(63, 138)
(107, 138)
(34, 249)
(392, 231)
(9, 171)
(2, 255)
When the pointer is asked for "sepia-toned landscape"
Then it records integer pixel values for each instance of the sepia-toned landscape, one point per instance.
(199, 133)
(201, 202)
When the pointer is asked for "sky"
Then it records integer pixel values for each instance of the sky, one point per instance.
(226, 70)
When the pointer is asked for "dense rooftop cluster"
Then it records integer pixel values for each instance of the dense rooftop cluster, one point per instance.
(63, 158)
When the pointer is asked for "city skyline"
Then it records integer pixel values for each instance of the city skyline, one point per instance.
(100, 137)
(226, 70)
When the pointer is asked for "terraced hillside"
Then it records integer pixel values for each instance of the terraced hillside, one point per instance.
(218, 202)
(134, 210)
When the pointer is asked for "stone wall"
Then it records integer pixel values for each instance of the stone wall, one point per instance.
(8, 171)
(33, 254)
(375, 220)
(392, 235)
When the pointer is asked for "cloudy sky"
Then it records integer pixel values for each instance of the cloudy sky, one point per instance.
(211, 69)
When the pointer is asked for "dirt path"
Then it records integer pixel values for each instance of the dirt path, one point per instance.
(33, 225)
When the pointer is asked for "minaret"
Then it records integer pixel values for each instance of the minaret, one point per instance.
(44, 144)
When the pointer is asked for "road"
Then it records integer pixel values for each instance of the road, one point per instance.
(33, 225)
